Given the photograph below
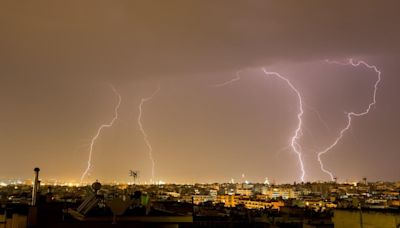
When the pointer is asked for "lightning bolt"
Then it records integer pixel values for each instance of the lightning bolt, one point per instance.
(298, 132)
(318, 114)
(99, 130)
(350, 115)
(145, 136)
(237, 78)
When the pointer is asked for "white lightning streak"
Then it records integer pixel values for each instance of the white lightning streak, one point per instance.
(318, 114)
(93, 141)
(237, 78)
(145, 137)
(350, 115)
(298, 132)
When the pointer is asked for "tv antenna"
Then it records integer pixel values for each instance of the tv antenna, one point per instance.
(134, 174)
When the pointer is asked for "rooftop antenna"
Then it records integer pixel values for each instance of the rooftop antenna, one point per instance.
(134, 174)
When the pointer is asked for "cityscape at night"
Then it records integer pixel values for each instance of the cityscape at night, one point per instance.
(250, 113)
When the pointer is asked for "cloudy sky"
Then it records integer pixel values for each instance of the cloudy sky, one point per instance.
(58, 59)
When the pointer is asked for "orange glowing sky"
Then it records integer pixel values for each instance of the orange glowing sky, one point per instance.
(58, 58)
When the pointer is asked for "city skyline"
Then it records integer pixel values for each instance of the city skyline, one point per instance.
(217, 116)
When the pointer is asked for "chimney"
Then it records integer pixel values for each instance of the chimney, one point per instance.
(35, 186)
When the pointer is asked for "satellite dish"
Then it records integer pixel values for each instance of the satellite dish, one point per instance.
(96, 186)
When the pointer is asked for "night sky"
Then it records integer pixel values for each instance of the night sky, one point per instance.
(59, 58)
